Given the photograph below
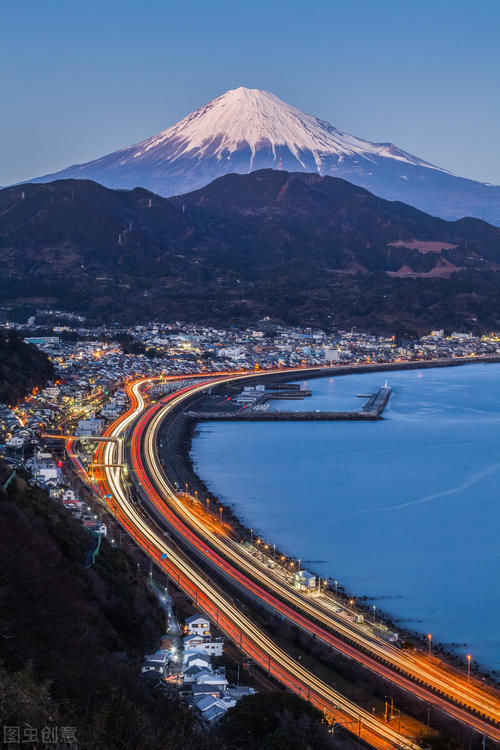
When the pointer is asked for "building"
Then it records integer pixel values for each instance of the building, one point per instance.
(196, 659)
(39, 340)
(204, 644)
(302, 579)
(210, 710)
(96, 527)
(15, 442)
(197, 625)
(330, 354)
(89, 427)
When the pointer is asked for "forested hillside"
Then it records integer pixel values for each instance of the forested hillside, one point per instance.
(22, 367)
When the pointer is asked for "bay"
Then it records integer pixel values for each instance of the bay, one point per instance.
(405, 511)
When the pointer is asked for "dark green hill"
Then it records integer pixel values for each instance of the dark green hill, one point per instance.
(298, 247)
(22, 367)
(71, 638)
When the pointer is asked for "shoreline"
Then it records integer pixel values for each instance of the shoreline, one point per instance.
(176, 453)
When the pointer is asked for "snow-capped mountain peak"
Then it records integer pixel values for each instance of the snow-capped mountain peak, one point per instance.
(249, 129)
(253, 119)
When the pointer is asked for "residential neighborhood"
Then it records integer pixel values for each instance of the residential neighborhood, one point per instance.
(187, 665)
(92, 365)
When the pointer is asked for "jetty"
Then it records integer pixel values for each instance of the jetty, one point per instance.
(372, 410)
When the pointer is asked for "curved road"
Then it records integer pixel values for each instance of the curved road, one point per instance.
(157, 488)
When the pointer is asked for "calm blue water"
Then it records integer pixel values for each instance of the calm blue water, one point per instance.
(405, 510)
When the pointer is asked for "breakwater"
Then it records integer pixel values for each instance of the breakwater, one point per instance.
(371, 410)
(384, 509)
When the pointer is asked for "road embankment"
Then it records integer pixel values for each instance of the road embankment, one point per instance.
(179, 430)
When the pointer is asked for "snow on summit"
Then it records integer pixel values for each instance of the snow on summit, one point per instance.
(258, 119)
(249, 129)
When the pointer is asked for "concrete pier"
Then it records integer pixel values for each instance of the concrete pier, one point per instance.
(372, 410)
(377, 403)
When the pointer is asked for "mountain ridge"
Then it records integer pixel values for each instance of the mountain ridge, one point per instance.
(299, 247)
(245, 130)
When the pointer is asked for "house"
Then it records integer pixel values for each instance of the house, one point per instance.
(196, 659)
(213, 714)
(216, 679)
(98, 528)
(197, 625)
(203, 702)
(89, 427)
(15, 442)
(192, 641)
(152, 668)
(197, 675)
(158, 657)
(194, 672)
(210, 709)
(212, 647)
(197, 690)
(304, 580)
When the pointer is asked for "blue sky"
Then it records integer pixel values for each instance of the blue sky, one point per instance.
(78, 80)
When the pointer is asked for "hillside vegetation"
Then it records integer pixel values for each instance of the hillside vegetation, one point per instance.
(22, 367)
(301, 248)
(72, 640)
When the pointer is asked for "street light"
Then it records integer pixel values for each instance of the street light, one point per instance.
(374, 607)
(336, 587)
(469, 657)
(429, 638)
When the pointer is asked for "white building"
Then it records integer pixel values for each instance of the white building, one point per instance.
(15, 442)
(196, 659)
(304, 580)
(197, 625)
(330, 354)
(204, 644)
(89, 427)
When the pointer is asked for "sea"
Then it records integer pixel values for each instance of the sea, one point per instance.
(404, 511)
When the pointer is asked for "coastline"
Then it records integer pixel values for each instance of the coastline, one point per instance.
(177, 438)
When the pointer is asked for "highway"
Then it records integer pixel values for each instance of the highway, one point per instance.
(248, 637)
(150, 473)
(231, 559)
(453, 686)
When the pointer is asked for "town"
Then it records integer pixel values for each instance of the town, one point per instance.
(93, 363)
(93, 366)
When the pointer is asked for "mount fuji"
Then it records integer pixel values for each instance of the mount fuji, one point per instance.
(248, 129)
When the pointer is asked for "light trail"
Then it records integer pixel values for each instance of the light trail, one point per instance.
(454, 687)
(110, 478)
(457, 688)
(251, 639)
